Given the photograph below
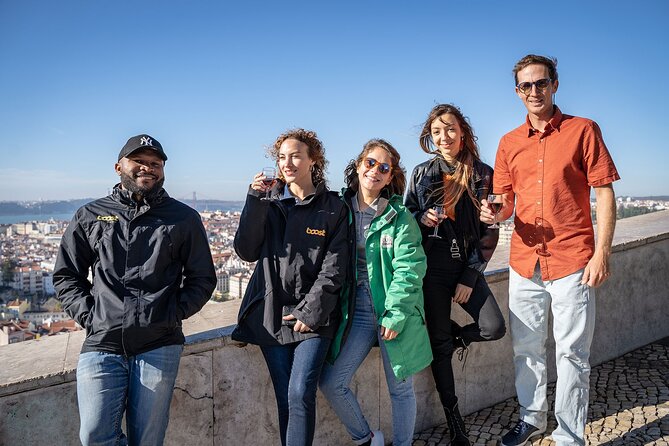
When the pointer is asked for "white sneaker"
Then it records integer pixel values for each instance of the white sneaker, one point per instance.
(377, 438)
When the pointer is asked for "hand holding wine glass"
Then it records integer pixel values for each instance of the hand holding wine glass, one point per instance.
(439, 211)
(495, 201)
(269, 177)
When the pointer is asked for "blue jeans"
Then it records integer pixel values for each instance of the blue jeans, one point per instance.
(336, 379)
(295, 369)
(573, 307)
(141, 386)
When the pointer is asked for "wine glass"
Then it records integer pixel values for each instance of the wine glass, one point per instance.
(270, 177)
(439, 210)
(541, 231)
(495, 201)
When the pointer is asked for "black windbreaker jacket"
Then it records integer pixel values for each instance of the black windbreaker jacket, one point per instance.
(151, 268)
(302, 253)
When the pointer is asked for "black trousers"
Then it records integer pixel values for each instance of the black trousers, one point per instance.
(443, 274)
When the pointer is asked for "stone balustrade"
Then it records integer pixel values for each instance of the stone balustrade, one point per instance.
(224, 395)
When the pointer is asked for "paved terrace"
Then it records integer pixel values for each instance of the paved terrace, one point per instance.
(223, 394)
(629, 405)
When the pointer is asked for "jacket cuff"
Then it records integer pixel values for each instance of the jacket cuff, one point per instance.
(469, 277)
(308, 317)
(389, 322)
(419, 220)
(255, 193)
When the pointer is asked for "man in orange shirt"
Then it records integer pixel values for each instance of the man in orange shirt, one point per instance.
(546, 167)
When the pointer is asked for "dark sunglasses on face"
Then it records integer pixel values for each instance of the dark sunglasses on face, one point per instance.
(384, 168)
(541, 84)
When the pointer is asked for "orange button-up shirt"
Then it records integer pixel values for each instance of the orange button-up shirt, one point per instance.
(550, 174)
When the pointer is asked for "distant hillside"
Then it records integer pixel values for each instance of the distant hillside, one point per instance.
(41, 207)
(216, 205)
(70, 206)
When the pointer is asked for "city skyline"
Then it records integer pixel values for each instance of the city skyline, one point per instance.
(215, 83)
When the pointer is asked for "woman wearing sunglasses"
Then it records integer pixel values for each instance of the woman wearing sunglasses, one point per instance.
(457, 245)
(299, 239)
(386, 299)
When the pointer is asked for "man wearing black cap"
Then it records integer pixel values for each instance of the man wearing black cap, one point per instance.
(151, 269)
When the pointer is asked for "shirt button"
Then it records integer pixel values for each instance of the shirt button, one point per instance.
(540, 181)
(541, 161)
(538, 202)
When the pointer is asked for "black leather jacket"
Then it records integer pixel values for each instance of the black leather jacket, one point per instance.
(151, 268)
(425, 178)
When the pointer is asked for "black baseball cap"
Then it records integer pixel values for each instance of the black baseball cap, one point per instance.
(142, 141)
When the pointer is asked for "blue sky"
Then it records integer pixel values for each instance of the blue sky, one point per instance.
(217, 81)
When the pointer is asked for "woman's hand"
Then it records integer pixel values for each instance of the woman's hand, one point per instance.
(259, 185)
(487, 215)
(430, 218)
(387, 334)
(299, 325)
(462, 294)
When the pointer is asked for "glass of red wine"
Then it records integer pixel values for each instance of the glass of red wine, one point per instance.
(439, 210)
(495, 201)
(269, 174)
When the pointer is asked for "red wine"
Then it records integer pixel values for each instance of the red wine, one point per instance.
(496, 207)
(268, 181)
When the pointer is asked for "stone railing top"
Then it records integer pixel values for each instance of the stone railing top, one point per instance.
(52, 360)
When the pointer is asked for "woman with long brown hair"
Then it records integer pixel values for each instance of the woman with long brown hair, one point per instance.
(444, 195)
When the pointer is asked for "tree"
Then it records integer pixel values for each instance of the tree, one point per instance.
(7, 269)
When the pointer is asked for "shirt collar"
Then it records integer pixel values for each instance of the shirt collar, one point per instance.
(373, 207)
(553, 123)
(288, 195)
(376, 208)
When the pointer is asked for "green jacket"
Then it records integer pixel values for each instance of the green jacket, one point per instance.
(396, 265)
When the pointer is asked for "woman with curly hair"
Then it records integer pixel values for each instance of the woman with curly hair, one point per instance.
(387, 305)
(290, 309)
(444, 195)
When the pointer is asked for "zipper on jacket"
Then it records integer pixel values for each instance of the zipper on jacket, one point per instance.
(134, 211)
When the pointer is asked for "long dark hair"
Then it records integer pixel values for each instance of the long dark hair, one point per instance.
(398, 180)
(464, 161)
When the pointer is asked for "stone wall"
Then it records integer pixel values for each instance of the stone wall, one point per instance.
(224, 396)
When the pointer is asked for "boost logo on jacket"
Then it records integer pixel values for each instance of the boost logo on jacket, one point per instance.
(109, 218)
(318, 232)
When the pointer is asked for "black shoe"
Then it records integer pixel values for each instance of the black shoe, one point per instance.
(456, 427)
(520, 434)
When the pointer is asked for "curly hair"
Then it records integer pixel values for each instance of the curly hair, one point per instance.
(316, 152)
(532, 59)
(398, 181)
(464, 162)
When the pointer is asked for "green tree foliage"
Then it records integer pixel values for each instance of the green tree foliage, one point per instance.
(7, 269)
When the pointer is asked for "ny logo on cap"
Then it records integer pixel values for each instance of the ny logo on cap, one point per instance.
(146, 141)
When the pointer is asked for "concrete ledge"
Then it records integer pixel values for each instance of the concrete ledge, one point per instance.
(224, 395)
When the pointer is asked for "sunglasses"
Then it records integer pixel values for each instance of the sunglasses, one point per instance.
(384, 168)
(541, 84)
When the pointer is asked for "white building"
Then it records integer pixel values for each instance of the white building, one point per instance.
(222, 282)
(238, 284)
